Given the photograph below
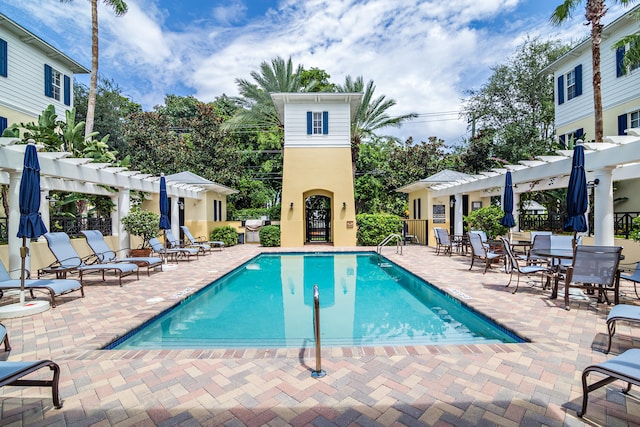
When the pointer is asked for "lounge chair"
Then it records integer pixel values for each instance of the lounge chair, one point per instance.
(12, 372)
(175, 244)
(68, 260)
(621, 313)
(625, 367)
(174, 253)
(55, 287)
(478, 250)
(540, 242)
(594, 268)
(104, 254)
(443, 241)
(635, 278)
(483, 237)
(521, 270)
(211, 244)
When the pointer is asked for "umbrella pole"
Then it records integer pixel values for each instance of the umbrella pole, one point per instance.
(165, 247)
(24, 251)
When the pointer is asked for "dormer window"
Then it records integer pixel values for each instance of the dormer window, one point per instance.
(317, 122)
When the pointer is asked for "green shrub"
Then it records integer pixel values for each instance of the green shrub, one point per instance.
(145, 224)
(373, 228)
(488, 220)
(226, 234)
(248, 213)
(635, 229)
(270, 235)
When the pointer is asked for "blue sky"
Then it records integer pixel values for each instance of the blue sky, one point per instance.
(425, 54)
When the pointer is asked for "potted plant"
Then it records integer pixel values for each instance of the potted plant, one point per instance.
(142, 223)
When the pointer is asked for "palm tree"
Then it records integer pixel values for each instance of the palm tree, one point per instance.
(278, 76)
(371, 115)
(595, 11)
(119, 8)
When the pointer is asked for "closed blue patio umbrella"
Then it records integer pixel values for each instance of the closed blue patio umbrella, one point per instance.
(31, 225)
(165, 224)
(577, 200)
(507, 202)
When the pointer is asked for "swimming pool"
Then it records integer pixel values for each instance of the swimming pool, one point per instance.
(268, 303)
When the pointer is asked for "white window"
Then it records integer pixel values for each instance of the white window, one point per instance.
(635, 119)
(56, 84)
(317, 123)
(571, 84)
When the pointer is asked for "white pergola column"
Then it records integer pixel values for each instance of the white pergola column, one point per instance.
(15, 263)
(45, 211)
(458, 226)
(516, 210)
(175, 216)
(603, 207)
(122, 202)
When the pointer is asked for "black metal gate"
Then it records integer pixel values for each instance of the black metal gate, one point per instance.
(318, 225)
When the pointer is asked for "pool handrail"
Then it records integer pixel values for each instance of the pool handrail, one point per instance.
(388, 239)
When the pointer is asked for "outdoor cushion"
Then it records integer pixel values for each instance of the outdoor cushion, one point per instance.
(55, 287)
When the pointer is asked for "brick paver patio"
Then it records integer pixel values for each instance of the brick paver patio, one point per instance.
(536, 383)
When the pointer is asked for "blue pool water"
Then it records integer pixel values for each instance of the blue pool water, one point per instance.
(268, 302)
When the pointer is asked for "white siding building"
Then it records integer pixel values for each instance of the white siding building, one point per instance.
(33, 75)
(574, 112)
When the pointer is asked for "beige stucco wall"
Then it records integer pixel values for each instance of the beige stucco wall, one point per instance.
(325, 171)
(40, 255)
(629, 189)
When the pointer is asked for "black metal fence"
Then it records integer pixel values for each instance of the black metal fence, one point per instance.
(73, 226)
(622, 222)
(542, 222)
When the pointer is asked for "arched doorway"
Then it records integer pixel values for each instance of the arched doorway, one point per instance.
(318, 219)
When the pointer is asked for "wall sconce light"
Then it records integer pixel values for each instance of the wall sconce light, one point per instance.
(344, 205)
(452, 202)
(181, 205)
(51, 200)
(291, 205)
(593, 183)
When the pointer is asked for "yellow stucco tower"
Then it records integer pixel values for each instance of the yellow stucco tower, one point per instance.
(317, 179)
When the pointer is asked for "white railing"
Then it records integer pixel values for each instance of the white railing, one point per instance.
(398, 239)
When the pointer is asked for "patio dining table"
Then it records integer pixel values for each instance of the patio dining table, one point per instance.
(560, 254)
(554, 255)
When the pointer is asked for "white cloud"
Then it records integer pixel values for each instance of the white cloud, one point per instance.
(229, 14)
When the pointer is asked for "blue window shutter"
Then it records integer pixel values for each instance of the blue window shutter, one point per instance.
(579, 133)
(325, 122)
(3, 124)
(67, 90)
(622, 124)
(309, 122)
(415, 209)
(419, 209)
(4, 58)
(220, 210)
(620, 71)
(48, 83)
(578, 71)
(560, 90)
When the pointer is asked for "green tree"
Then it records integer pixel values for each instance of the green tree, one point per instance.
(112, 107)
(317, 80)
(119, 7)
(595, 10)
(514, 109)
(260, 112)
(372, 114)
